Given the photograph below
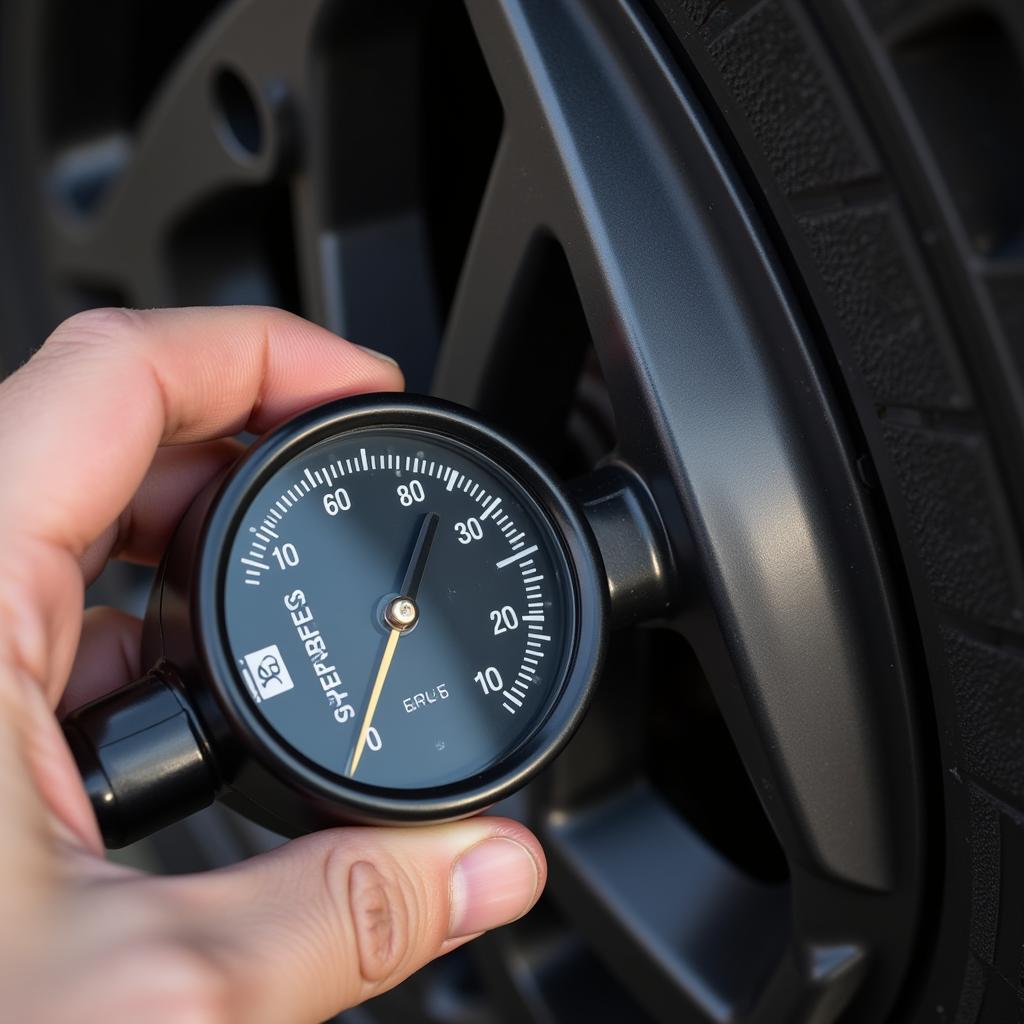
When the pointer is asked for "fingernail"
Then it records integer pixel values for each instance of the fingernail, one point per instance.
(377, 355)
(492, 883)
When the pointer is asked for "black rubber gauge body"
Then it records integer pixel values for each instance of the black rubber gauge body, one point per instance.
(385, 612)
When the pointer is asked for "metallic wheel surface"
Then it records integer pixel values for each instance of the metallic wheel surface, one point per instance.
(536, 207)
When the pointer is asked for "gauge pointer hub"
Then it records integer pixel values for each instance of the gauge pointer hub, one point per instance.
(400, 616)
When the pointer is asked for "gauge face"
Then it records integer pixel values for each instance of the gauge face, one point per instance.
(399, 609)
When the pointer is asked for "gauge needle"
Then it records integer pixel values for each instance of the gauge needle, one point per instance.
(400, 615)
(378, 685)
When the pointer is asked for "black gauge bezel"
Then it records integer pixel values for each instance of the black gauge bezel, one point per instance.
(280, 459)
(587, 583)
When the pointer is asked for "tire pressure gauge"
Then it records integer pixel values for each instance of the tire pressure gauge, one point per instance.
(385, 612)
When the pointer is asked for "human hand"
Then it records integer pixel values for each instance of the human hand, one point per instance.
(105, 437)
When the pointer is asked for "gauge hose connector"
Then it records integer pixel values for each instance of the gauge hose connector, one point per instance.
(141, 759)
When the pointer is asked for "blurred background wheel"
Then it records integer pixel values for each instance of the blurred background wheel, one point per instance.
(765, 256)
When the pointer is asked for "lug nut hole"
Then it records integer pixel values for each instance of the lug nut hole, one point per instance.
(237, 112)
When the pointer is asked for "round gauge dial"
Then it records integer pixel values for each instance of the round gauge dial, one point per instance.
(399, 608)
(385, 611)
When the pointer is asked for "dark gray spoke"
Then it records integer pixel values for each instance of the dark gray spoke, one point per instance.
(516, 332)
(313, 268)
(704, 412)
(655, 292)
(378, 290)
(402, 125)
(684, 930)
(495, 264)
(184, 153)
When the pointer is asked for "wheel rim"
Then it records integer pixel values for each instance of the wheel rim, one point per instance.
(594, 276)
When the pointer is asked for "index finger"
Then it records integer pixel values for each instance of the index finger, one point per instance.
(79, 423)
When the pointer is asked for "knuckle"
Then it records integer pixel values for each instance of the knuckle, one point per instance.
(204, 987)
(97, 327)
(186, 983)
(377, 897)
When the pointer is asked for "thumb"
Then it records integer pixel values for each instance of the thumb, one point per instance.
(330, 920)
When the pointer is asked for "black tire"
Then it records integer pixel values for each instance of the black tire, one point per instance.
(882, 138)
(879, 142)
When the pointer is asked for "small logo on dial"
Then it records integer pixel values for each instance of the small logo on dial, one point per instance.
(266, 674)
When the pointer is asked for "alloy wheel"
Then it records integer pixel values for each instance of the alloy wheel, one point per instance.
(525, 203)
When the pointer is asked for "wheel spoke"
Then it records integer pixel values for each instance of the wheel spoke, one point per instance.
(187, 152)
(791, 628)
(315, 281)
(362, 222)
(380, 290)
(649, 309)
(673, 918)
(497, 261)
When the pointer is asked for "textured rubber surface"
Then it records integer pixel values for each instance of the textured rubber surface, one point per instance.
(911, 257)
